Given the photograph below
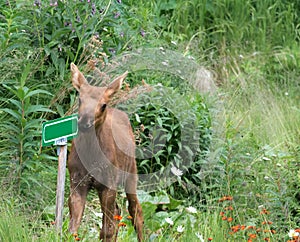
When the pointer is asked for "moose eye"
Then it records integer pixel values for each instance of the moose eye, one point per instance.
(103, 106)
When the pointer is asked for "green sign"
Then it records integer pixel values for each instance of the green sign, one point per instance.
(60, 130)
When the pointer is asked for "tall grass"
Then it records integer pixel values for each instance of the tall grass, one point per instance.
(253, 48)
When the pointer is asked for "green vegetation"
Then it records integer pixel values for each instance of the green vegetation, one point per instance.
(222, 165)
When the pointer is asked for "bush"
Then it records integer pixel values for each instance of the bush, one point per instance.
(172, 135)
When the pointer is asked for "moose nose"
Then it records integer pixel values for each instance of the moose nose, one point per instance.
(85, 123)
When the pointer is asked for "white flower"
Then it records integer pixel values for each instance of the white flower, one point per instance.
(191, 209)
(180, 229)
(176, 171)
(169, 221)
(293, 233)
(266, 158)
(199, 236)
(100, 215)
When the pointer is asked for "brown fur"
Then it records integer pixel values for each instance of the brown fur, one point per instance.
(102, 157)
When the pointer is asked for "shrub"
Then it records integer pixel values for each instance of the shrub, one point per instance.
(172, 136)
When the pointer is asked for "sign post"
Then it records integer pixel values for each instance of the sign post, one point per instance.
(58, 132)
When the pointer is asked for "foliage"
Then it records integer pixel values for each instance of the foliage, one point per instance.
(171, 130)
(242, 143)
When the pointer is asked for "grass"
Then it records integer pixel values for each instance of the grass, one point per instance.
(253, 49)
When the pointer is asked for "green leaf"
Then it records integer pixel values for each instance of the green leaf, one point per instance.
(17, 103)
(25, 73)
(12, 112)
(159, 121)
(36, 92)
(37, 108)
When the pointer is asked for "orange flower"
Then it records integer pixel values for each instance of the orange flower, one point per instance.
(267, 239)
(264, 211)
(252, 236)
(273, 231)
(249, 240)
(224, 218)
(243, 227)
(209, 239)
(222, 213)
(77, 238)
(229, 208)
(267, 222)
(129, 217)
(229, 219)
(226, 198)
(118, 217)
(297, 230)
(122, 224)
(235, 228)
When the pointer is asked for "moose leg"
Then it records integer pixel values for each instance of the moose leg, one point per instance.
(134, 208)
(108, 206)
(76, 203)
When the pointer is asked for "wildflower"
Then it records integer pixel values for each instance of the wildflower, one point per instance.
(293, 233)
(226, 198)
(191, 209)
(169, 221)
(118, 217)
(264, 211)
(252, 236)
(37, 3)
(267, 239)
(222, 214)
(117, 15)
(122, 224)
(143, 33)
(100, 215)
(129, 217)
(266, 158)
(180, 229)
(209, 239)
(94, 9)
(235, 228)
(199, 236)
(267, 222)
(229, 219)
(176, 171)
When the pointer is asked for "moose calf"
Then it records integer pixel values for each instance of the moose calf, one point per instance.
(102, 157)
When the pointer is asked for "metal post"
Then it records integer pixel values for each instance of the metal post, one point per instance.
(60, 190)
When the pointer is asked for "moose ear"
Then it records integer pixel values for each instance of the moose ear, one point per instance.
(78, 78)
(115, 85)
